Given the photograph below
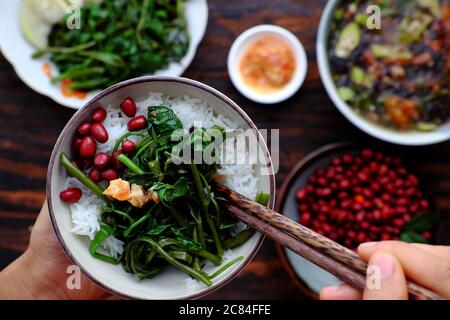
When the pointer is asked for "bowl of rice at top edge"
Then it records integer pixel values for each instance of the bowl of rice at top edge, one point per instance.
(164, 235)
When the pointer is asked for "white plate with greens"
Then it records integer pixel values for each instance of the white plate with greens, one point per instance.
(29, 22)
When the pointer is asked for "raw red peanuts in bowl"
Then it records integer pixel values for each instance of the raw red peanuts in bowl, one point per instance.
(71, 195)
(84, 128)
(128, 146)
(98, 115)
(99, 132)
(137, 123)
(361, 197)
(128, 107)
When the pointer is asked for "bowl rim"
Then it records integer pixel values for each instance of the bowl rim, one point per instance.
(301, 67)
(377, 131)
(86, 109)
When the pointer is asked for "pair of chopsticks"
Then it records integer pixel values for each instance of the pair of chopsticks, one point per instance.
(325, 253)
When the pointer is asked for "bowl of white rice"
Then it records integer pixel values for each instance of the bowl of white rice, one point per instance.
(76, 224)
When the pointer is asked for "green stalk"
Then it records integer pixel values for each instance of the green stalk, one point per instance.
(181, 255)
(73, 49)
(100, 236)
(154, 135)
(217, 209)
(120, 213)
(201, 233)
(205, 205)
(130, 164)
(141, 25)
(127, 232)
(150, 256)
(168, 242)
(87, 84)
(177, 216)
(107, 58)
(142, 148)
(225, 267)
(132, 259)
(143, 142)
(238, 239)
(196, 264)
(72, 74)
(70, 71)
(193, 273)
(147, 215)
(210, 256)
(81, 176)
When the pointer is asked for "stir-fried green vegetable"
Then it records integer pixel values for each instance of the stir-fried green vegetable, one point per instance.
(395, 74)
(186, 225)
(412, 231)
(118, 39)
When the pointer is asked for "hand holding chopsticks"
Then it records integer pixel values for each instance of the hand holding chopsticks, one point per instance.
(327, 254)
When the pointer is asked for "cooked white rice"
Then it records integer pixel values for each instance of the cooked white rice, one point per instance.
(239, 177)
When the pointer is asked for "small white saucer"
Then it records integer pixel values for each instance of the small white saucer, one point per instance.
(246, 39)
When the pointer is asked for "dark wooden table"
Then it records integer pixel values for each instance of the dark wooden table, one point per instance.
(30, 124)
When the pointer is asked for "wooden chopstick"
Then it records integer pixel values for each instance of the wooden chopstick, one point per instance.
(339, 270)
(297, 233)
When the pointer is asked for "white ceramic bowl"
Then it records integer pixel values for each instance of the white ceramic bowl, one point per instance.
(170, 283)
(18, 51)
(412, 138)
(246, 39)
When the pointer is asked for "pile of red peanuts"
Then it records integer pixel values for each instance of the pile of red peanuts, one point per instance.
(101, 166)
(361, 197)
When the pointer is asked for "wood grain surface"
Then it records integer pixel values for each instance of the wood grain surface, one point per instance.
(30, 124)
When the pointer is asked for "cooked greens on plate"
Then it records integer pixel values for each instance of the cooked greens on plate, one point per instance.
(117, 39)
(396, 76)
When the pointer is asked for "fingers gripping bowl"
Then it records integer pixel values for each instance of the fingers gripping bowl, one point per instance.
(185, 98)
